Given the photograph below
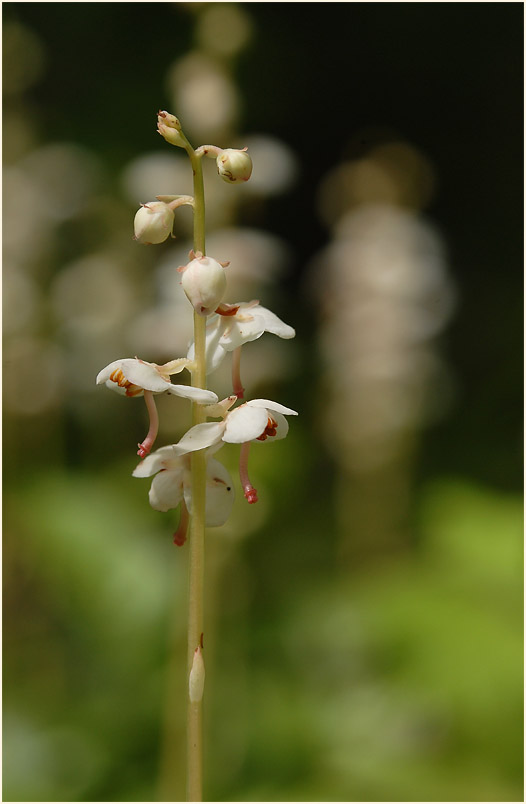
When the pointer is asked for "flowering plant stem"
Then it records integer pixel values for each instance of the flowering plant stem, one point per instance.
(204, 284)
(197, 522)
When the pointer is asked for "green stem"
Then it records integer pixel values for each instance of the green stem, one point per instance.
(197, 522)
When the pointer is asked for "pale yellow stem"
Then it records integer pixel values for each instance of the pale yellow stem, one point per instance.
(197, 522)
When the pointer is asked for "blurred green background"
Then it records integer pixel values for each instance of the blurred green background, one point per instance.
(364, 620)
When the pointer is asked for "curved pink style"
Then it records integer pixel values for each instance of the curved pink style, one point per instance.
(147, 444)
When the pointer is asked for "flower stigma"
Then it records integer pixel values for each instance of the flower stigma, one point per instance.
(249, 491)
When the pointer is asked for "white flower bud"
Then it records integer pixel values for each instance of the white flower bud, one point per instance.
(204, 283)
(234, 166)
(196, 681)
(169, 127)
(153, 222)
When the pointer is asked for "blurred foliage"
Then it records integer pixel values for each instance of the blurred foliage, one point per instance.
(364, 620)
(386, 684)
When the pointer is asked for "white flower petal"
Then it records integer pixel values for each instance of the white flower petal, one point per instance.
(219, 494)
(249, 323)
(143, 374)
(282, 427)
(272, 323)
(174, 366)
(119, 389)
(195, 394)
(166, 491)
(199, 437)
(241, 332)
(215, 448)
(163, 458)
(215, 354)
(244, 424)
(104, 374)
(104, 377)
(267, 403)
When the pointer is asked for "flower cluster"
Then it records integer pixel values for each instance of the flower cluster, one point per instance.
(228, 327)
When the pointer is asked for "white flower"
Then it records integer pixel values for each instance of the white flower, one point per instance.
(259, 419)
(234, 165)
(256, 420)
(204, 282)
(236, 324)
(132, 376)
(172, 485)
(153, 222)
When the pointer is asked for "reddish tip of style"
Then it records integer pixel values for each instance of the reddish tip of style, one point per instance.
(251, 496)
(179, 539)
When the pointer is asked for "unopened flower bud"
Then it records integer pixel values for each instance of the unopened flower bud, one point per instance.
(169, 127)
(234, 166)
(204, 283)
(153, 222)
(196, 681)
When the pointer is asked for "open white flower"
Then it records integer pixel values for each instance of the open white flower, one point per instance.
(172, 485)
(256, 420)
(231, 327)
(132, 376)
(135, 377)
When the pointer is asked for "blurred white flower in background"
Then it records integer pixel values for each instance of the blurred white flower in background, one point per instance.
(66, 176)
(223, 29)
(153, 174)
(19, 74)
(23, 210)
(92, 294)
(276, 167)
(383, 294)
(33, 373)
(392, 174)
(99, 299)
(21, 301)
(205, 96)
(387, 295)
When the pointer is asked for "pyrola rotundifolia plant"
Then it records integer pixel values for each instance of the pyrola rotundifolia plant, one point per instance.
(187, 475)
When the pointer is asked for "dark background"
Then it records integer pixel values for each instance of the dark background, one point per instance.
(331, 81)
(446, 77)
